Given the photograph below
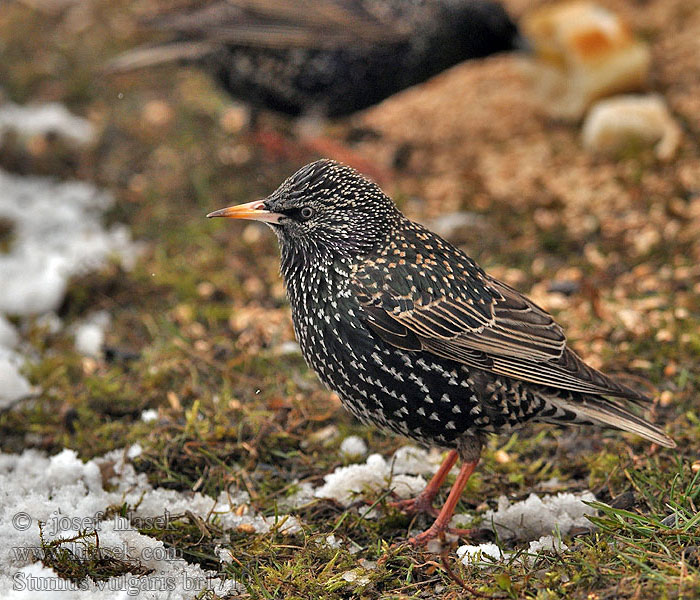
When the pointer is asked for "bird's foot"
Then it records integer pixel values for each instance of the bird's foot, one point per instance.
(434, 532)
(423, 539)
(422, 503)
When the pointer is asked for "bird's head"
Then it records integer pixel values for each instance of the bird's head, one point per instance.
(325, 210)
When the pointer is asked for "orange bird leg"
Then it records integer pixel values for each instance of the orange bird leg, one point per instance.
(423, 502)
(448, 509)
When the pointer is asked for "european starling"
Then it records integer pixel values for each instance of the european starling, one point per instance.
(327, 58)
(414, 336)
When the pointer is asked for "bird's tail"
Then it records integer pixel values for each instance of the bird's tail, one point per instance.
(603, 411)
(150, 56)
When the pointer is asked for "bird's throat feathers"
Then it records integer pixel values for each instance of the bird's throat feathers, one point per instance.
(312, 258)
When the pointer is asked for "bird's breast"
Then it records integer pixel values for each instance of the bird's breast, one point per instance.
(412, 393)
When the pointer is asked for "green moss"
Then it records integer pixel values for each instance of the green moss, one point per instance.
(80, 557)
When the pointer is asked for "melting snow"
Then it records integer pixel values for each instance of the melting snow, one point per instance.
(547, 543)
(355, 576)
(12, 385)
(149, 415)
(404, 473)
(41, 119)
(346, 484)
(539, 521)
(353, 447)
(57, 233)
(483, 553)
(416, 461)
(90, 334)
(330, 541)
(536, 517)
(69, 495)
(8, 334)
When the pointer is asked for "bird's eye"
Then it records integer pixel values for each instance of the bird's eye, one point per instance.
(306, 213)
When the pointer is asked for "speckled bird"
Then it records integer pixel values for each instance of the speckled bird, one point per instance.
(326, 58)
(415, 337)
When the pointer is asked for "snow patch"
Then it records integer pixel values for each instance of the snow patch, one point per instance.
(539, 521)
(69, 495)
(8, 334)
(347, 484)
(43, 119)
(535, 517)
(355, 576)
(547, 543)
(303, 495)
(330, 541)
(483, 553)
(13, 386)
(404, 473)
(415, 461)
(90, 334)
(353, 447)
(149, 415)
(57, 234)
(133, 451)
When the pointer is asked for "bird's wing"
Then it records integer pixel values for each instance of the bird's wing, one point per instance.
(283, 23)
(479, 321)
(195, 31)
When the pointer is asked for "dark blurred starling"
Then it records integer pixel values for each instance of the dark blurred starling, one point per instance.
(326, 58)
(414, 336)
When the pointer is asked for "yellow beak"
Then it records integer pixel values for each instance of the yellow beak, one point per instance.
(250, 210)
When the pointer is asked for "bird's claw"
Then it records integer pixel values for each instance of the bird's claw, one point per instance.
(413, 506)
(422, 540)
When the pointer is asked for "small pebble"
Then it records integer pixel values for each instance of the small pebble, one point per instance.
(157, 113)
(501, 457)
(205, 289)
(234, 119)
(665, 398)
